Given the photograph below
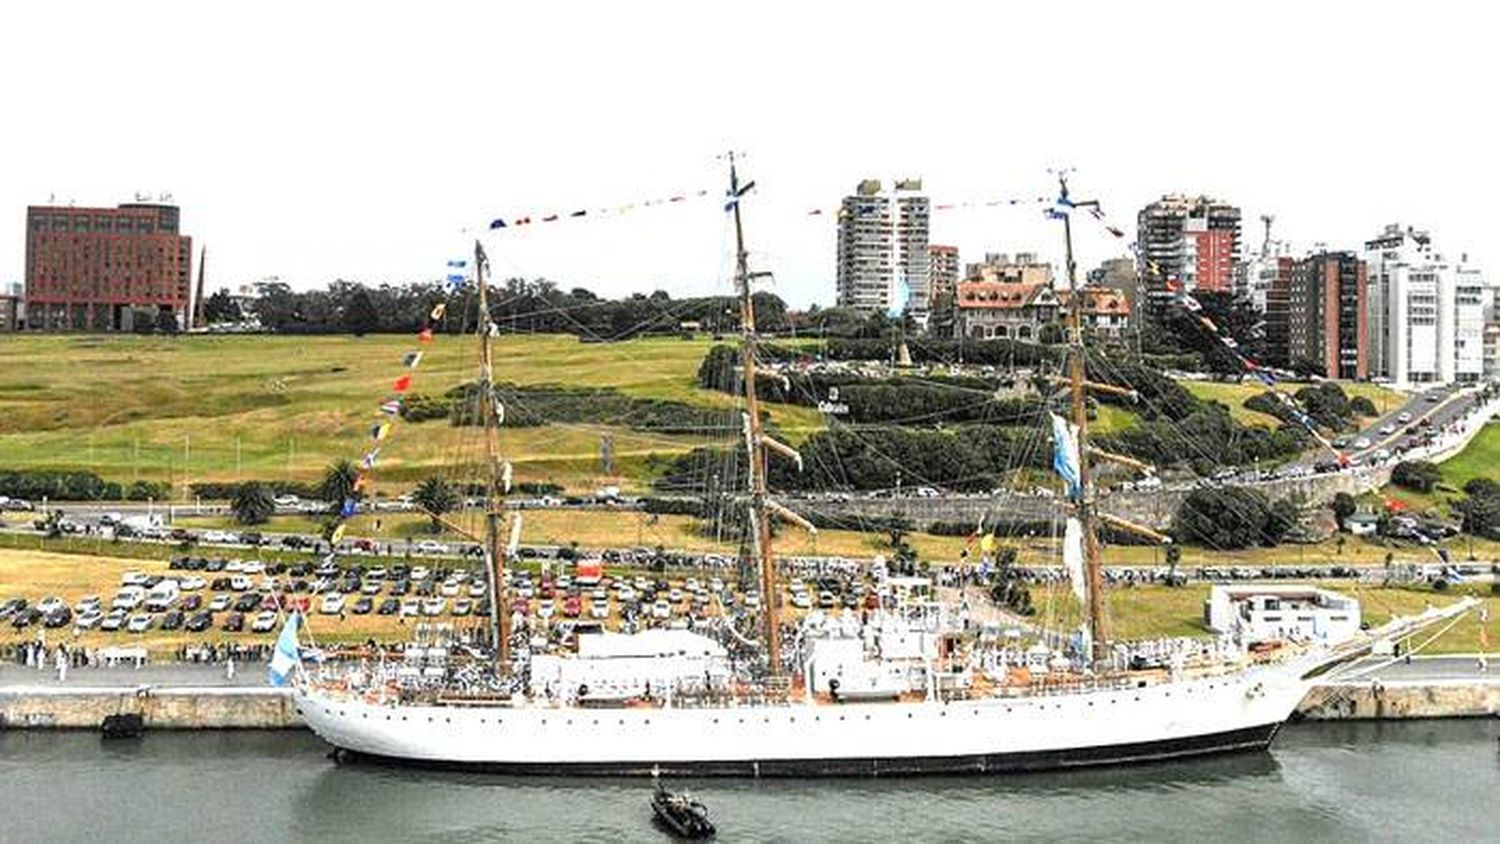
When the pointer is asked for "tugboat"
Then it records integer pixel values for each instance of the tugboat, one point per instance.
(685, 817)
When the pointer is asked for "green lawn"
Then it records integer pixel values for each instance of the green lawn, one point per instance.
(1479, 459)
(224, 408)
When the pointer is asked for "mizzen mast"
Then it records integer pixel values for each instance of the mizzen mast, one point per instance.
(756, 440)
(490, 413)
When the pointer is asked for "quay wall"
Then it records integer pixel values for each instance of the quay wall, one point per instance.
(178, 708)
(1393, 701)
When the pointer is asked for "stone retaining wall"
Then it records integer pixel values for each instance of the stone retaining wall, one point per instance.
(175, 708)
(1399, 700)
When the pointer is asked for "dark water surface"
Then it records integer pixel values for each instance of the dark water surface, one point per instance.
(1414, 781)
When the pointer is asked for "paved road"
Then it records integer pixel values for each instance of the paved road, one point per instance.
(1422, 668)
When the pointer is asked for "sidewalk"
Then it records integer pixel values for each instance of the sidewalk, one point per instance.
(246, 675)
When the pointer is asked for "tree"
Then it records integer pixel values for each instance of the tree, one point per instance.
(1343, 507)
(220, 308)
(1233, 517)
(436, 496)
(253, 504)
(360, 316)
(1363, 406)
(338, 483)
(1481, 510)
(1419, 475)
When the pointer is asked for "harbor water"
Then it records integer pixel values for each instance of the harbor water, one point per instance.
(1425, 780)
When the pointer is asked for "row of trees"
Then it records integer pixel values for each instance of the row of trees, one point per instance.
(518, 305)
(78, 486)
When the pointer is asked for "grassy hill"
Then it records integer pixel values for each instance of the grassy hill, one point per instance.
(189, 409)
(1233, 396)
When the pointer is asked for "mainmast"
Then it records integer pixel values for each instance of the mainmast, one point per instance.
(1098, 632)
(494, 552)
(757, 442)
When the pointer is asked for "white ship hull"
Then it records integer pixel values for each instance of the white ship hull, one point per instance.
(1167, 720)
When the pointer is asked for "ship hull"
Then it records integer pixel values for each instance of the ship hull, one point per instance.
(991, 736)
(1250, 739)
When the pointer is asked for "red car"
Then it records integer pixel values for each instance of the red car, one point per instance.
(572, 606)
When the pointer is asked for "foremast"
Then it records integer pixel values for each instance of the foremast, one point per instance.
(1078, 387)
(757, 442)
(490, 414)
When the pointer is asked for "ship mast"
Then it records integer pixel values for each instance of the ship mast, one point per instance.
(1098, 631)
(757, 442)
(494, 552)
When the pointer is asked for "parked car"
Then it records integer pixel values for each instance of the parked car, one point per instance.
(332, 604)
(363, 605)
(114, 621)
(200, 622)
(139, 623)
(389, 606)
(234, 622)
(172, 620)
(264, 623)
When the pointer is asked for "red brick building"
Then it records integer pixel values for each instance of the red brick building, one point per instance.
(105, 269)
(1215, 253)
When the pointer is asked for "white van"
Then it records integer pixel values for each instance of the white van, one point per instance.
(162, 596)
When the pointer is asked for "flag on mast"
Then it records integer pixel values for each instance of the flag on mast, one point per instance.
(285, 657)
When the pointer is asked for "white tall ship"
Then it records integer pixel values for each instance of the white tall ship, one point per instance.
(907, 689)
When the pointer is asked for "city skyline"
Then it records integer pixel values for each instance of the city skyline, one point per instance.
(411, 135)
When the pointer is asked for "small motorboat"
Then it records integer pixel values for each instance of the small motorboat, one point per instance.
(680, 813)
(125, 725)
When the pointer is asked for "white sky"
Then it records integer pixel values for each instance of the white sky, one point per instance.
(320, 140)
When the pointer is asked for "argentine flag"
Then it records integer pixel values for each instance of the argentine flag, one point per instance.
(285, 656)
(1065, 455)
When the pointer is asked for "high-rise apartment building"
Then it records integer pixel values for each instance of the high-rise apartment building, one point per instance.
(942, 271)
(1273, 279)
(1327, 324)
(91, 268)
(1426, 325)
(1193, 242)
(883, 263)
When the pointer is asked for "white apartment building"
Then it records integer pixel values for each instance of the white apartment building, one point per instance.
(1426, 315)
(882, 249)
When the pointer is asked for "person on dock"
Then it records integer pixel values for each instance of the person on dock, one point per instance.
(229, 668)
(62, 664)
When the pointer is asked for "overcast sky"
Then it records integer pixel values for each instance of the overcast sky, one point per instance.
(312, 141)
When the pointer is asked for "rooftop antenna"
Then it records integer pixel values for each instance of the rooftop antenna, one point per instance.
(1265, 246)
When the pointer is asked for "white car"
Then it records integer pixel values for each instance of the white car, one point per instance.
(253, 567)
(134, 578)
(139, 623)
(427, 546)
(1362, 442)
(218, 537)
(419, 573)
(545, 608)
(476, 590)
(1387, 430)
(88, 619)
(114, 621)
(675, 596)
(240, 583)
(801, 600)
(1403, 418)
(86, 603)
(661, 609)
(51, 604)
(411, 606)
(450, 588)
(191, 584)
(264, 623)
(434, 606)
(598, 609)
(128, 598)
(286, 500)
(220, 603)
(463, 606)
(370, 587)
(333, 604)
